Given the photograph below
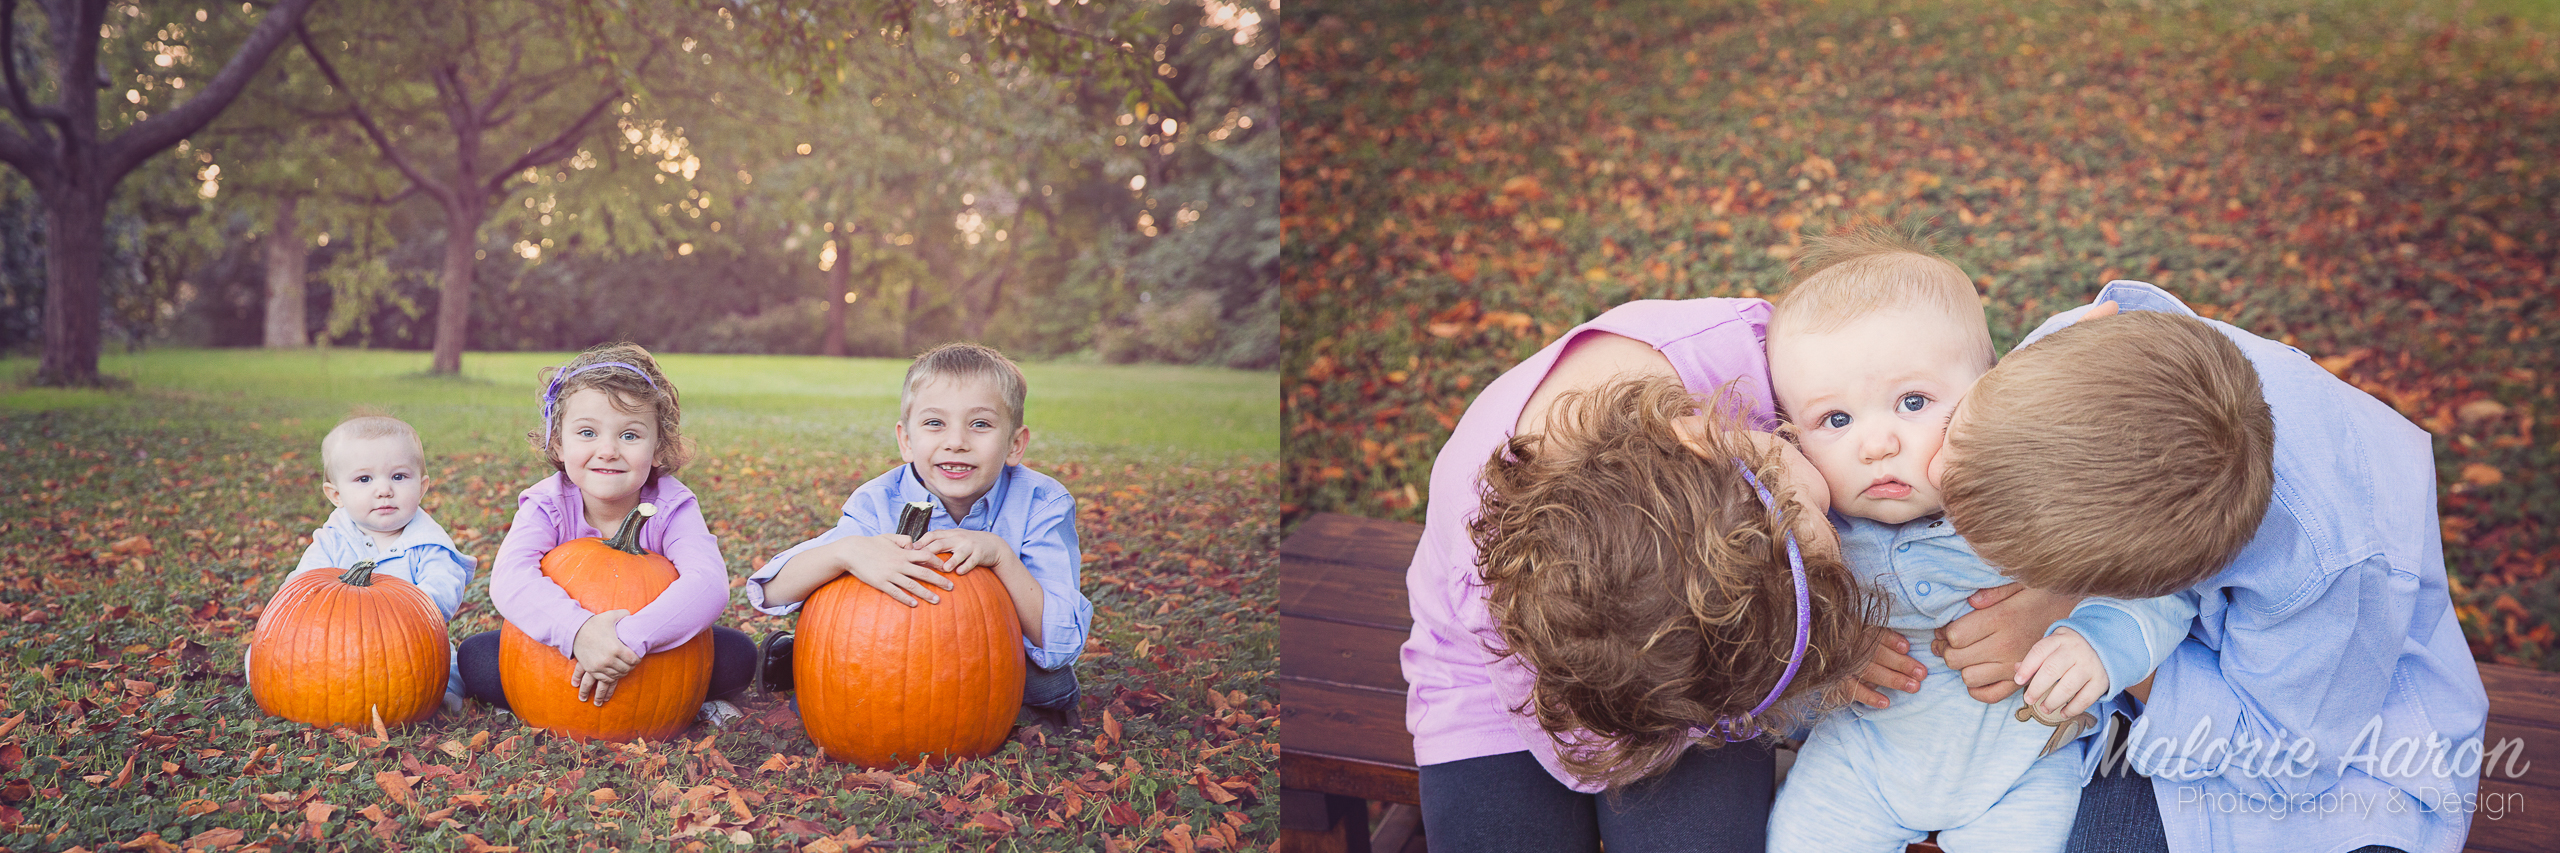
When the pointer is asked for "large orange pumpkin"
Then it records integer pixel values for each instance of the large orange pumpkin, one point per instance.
(660, 696)
(337, 646)
(883, 684)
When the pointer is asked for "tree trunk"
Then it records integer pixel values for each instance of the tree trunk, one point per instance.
(75, 242)
(287, 266)
(453, 309)
(837, 279)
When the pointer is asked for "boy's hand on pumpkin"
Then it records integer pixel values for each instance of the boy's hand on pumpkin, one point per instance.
(969, 549)
(2062, 674)
(890, 565)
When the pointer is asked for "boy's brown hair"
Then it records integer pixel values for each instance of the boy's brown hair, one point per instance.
(2129, 456)
(630, 393)
(1647, 585)
(966, 362)
(1864, 268)
(364, 425)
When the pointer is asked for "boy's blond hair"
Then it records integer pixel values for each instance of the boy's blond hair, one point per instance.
(966, 362)
(1647, 586)
(363, 427)
(1861, 269)
(2128, 456)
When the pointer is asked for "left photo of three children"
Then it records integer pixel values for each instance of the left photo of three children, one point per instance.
(693, 431)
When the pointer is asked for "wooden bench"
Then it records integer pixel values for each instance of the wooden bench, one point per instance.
(1343, 743)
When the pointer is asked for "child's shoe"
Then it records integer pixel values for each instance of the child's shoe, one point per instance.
(719, 713)
(773, 663)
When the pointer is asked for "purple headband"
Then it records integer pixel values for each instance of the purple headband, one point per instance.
(551, 395)
(1728, 728)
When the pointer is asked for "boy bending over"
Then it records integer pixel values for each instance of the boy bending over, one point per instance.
(2325, 648)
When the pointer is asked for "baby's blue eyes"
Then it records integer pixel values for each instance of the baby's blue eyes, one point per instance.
(1836, 420)
(1914, 402)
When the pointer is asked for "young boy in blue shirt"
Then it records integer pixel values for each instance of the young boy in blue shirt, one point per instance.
(2325, 653)
(961, 434)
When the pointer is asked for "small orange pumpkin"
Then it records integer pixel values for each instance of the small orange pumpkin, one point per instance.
(883, 684)
(660, 696)
(336, 646)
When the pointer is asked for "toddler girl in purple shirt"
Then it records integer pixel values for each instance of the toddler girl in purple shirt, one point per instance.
(610, 428)
(1606, 578)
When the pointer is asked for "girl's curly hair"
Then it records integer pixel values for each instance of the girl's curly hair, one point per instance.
(1647, 585)
(629, 392)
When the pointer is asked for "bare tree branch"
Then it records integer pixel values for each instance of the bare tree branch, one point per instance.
(18, 150)
(364, 119)
(27, 112)
(119, 155)
(560, 146)
(566, 142)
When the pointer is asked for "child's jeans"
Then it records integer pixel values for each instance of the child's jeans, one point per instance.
(1051, 690)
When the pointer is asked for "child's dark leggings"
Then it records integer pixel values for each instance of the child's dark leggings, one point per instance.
(733, 665)
(1712, 799)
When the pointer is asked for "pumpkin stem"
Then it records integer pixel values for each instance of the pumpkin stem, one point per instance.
(627, 539)
(913, 518)
(360, 574)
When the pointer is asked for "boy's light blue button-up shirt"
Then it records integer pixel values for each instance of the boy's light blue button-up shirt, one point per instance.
(1027, 509)
(2329, 640)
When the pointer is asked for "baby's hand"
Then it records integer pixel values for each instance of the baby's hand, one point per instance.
(969, 549)
(2062, 674)
(890, 564)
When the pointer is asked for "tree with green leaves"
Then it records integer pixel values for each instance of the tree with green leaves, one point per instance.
(75, 142)
(506, 91)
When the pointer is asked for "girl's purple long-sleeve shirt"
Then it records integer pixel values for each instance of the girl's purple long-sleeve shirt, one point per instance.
(553, 512)
(1460, 694)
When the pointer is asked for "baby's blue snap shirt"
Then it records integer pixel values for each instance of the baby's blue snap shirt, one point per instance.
(2327, 641)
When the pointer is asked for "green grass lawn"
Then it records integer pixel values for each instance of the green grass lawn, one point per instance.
(2370, 180)
(141, 531)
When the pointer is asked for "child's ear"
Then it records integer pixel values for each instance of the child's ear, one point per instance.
(1021, 442)
(329, 490)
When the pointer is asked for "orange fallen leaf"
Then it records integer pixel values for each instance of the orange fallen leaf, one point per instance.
(150, 841)
(2481, 475)
(395, 786)
(214, 839)
(2479, 410)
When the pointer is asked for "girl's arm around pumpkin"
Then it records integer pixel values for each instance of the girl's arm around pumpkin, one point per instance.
(701, 589)
(517, 587)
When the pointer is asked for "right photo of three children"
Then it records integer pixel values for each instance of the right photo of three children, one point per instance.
(1847, 426)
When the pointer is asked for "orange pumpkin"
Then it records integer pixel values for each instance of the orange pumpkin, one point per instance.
(662, 693)
(336, 646)
(883, 684)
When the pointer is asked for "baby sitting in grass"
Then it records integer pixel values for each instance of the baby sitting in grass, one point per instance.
(375, 473)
